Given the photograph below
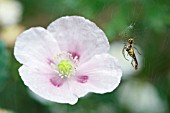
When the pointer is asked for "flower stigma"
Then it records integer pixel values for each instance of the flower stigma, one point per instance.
(64, 64)
(65, 67)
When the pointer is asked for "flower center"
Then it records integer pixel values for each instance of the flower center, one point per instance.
(65, 67)
(64, 64)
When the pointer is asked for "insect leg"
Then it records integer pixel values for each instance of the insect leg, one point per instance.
(132, 62)
(137, 50)
(123, 52)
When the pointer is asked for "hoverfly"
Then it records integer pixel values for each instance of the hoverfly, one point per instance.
(130, 50)
(128, 46)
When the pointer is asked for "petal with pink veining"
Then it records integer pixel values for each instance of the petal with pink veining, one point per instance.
(36, 47)
(40, 83)
(79, 36)
(101, 74)
(57, 81)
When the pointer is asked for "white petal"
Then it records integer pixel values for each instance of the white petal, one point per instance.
(35, 47)
(104, 75)
(78, 35)
(40, 84)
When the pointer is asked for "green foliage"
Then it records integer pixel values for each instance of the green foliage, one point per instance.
(4, 63)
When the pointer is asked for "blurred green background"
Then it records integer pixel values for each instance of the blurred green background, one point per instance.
(144, 91)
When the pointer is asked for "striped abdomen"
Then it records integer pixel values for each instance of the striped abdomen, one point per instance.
(132, 54)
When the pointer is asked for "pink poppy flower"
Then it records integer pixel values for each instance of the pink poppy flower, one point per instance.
(67, 60)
